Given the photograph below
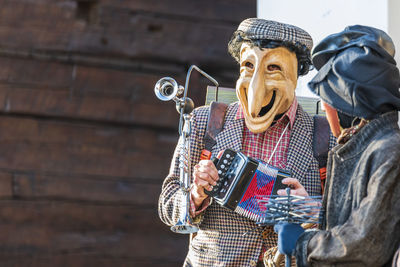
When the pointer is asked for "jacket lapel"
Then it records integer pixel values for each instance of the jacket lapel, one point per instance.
(300, 153)
(232, 133)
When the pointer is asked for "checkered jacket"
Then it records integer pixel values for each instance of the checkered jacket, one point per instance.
(226, 238)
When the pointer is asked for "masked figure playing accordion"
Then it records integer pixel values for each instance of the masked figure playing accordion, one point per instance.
(267, 125)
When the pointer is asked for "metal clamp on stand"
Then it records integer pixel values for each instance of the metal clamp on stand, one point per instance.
(168, 89)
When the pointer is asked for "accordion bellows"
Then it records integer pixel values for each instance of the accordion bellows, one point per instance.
(244, 182)
(261, 186)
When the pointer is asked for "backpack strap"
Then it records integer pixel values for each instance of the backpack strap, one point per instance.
(215, 124)
(321, 145)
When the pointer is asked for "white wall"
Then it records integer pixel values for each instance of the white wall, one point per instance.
(394, 26)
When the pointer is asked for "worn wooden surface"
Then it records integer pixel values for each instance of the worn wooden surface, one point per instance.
(84, 142)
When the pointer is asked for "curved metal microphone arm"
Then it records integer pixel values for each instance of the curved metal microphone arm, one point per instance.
(189, 72)
(168, 89)
(203, 73)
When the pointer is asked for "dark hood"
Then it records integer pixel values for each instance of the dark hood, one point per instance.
(357, 72)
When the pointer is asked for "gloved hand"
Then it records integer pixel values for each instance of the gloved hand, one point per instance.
(288, 233)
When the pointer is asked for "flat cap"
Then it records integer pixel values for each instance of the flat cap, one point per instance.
(352, 36)
(259, 29)
(357, 74)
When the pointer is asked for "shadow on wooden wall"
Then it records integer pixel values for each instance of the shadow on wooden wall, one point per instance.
(84, 143)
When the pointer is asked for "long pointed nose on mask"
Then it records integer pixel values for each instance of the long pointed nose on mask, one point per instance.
(255, 96)
(260, 102)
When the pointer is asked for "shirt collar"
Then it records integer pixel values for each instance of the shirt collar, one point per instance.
(290, 114)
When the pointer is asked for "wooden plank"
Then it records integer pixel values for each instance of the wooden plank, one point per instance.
(94, 259)
(178, 9)
(79, 216)
(26, 13)
(84, 149)
(88, 189)
(180, 41)
(33, 73)
(53, 229)
(91, 93)
(6, 190)
(81, 80)
(204, 10)
(201, 43)
(105, 109)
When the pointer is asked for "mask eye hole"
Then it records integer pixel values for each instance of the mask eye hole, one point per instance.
(273, 67)
(249, 65)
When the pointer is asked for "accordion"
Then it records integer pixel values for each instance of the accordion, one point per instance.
(243, 182)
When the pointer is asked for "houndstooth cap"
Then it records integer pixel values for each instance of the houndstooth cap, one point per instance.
(255, 28)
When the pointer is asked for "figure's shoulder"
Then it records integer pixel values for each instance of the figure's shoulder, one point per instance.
(231, 111)
(202, 112)
(378, 141)
(383, 153)
(303, 119)
(302, 114)
(388, 143)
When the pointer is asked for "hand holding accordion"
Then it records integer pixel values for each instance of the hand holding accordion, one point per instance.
(243, 182)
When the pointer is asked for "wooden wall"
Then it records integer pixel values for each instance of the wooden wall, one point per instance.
(84, 142)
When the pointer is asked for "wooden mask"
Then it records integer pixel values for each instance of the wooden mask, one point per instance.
(266, 85)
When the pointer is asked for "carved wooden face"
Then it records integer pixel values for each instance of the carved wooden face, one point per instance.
(266, 85)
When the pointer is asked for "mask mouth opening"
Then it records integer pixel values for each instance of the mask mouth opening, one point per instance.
(267, 107)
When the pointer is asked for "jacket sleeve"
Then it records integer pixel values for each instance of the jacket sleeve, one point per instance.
(169, 204)
(369, 236)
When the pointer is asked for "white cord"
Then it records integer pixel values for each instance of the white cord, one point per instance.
(276, 146)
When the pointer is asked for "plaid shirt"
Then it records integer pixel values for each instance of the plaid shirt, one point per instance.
(261, 146)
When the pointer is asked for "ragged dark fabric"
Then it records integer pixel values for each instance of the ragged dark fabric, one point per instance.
(346, 80)
(361, 202)
(361, 207)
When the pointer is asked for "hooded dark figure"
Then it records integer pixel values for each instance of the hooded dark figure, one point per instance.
(359, 83)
